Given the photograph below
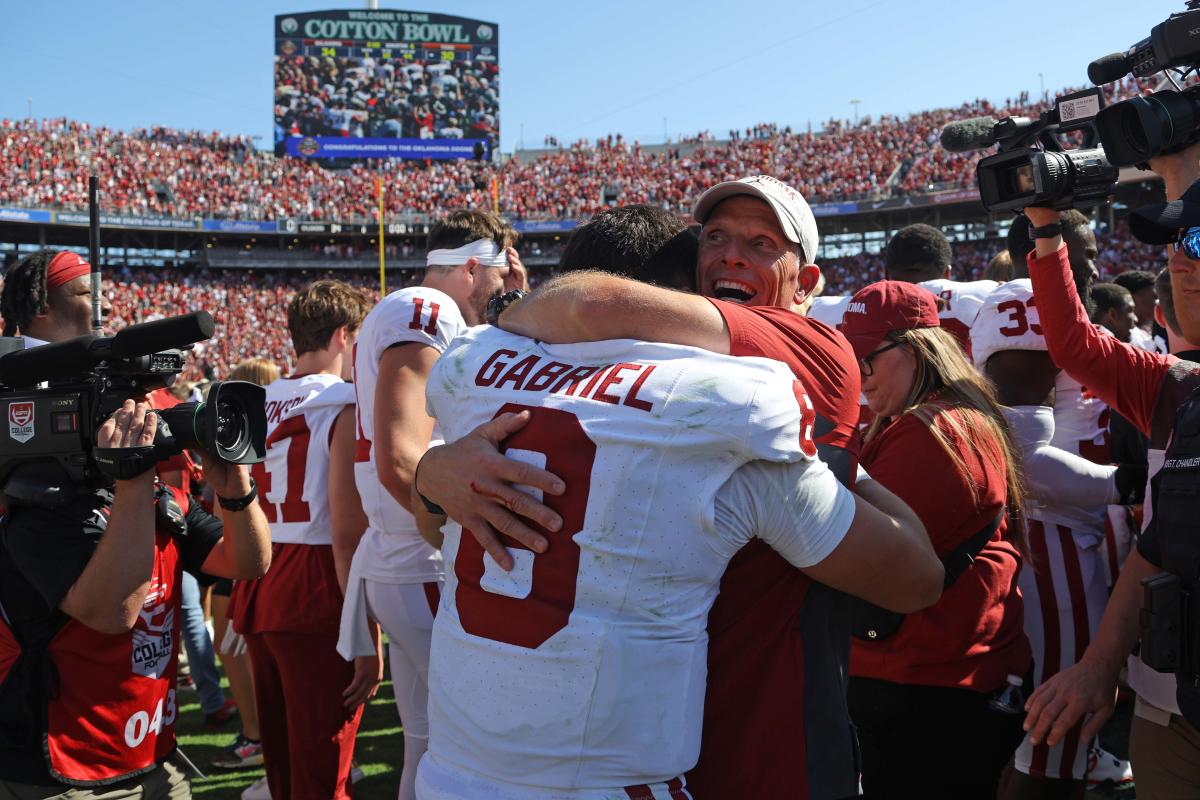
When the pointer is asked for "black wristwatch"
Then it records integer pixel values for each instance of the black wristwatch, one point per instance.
(239, 503)
(497, 305)
(1046, 231)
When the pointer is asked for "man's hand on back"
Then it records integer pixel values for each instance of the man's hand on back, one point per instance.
(475, 485)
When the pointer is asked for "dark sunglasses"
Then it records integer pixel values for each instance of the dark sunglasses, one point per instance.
(1188, 241)
(865, 361)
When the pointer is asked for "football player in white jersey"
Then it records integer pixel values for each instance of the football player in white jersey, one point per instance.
(395, 575)
(581, 673)
(921, 254)
(1064, 585)
(1080, 420)
(290, 616)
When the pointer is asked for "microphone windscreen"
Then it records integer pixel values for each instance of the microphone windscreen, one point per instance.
(162, 334)
(1107, 69)
(969, 134)
(69, 359)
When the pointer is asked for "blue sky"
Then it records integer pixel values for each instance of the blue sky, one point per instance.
(579, 69)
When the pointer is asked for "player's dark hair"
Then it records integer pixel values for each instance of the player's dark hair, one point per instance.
(321, 308)
(1107, 296)
(1166, 300)
(641, 242)
(1020, 244)
(1135, 280)
(469, 225)
(917, 253)
(25, 294)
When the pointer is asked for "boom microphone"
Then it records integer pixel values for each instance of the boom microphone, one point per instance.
(1107, 69)
(965, 135)
(48, 362)
(162, 334)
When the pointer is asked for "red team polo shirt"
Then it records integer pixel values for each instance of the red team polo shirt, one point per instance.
(973, 637)
(775, 716)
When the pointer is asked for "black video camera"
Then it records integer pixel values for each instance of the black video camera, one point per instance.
(56, 396)
(1032, 168)
(1136, 130)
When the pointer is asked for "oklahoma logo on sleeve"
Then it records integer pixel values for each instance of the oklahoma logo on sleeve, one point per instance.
(20, 421)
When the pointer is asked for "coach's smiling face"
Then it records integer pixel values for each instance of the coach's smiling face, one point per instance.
(745, 257)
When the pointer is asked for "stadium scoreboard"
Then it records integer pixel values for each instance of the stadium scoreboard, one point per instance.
(385, 84)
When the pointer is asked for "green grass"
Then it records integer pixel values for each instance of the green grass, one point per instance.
(378, 751)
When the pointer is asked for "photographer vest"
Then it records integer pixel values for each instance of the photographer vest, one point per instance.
(1173, 605)
(102, 705)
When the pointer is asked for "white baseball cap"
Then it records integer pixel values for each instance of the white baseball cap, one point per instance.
(795, 217)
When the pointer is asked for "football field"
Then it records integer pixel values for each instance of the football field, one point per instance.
(378, 751)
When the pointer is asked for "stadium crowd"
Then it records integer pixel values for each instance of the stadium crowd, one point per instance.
(163, 172)
(366, 97)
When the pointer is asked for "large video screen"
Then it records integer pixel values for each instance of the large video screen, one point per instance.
(386, 84)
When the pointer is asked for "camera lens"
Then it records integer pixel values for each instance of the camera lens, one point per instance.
(1139, 129)
(231, 434)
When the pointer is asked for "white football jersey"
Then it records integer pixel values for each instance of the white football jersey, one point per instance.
(293, 481)
(417, 314)
(584, 668)
(962, 302)
(828, 310)
(1007, 319)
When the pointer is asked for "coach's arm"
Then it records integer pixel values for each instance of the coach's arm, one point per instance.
(589, 306)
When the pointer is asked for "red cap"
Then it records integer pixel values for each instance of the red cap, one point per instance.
(883, 307)
(64, 268)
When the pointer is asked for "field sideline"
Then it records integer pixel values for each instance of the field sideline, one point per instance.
(378, 751)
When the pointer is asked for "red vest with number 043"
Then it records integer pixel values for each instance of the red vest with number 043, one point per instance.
(113, 715)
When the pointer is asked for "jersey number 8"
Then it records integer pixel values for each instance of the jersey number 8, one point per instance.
(531, 620)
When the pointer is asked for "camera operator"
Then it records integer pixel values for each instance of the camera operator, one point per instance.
(1149, 390)
(90, 592)
(48, 297)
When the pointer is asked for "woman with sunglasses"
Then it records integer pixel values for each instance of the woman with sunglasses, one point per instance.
(924, 695)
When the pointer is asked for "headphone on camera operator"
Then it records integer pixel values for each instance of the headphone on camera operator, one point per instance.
(91, 557)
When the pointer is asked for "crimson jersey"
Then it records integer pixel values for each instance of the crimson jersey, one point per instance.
(775, 715)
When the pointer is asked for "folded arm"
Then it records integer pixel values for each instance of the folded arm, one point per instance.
(591, 306)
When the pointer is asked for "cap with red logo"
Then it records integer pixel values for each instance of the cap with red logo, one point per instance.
(883, 307)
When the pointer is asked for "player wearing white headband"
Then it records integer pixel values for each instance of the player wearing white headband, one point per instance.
(394, 576)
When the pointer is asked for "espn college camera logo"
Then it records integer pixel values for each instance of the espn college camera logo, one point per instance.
(20, 421)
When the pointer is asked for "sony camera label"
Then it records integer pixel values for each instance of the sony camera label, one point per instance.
(20, 421)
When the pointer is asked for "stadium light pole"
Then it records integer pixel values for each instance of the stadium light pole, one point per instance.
(855, 103)
(30, 101)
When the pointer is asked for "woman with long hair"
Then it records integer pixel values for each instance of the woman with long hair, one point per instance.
(932, 694)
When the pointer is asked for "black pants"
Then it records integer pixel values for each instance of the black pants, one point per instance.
(930, 742)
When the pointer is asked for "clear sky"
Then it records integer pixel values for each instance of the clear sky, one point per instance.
(579, 69)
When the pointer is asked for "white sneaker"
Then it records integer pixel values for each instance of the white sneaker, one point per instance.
(356, 774)
(257, 791)
(1104, 767)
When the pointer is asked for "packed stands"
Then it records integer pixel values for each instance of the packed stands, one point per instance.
(171, 173)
